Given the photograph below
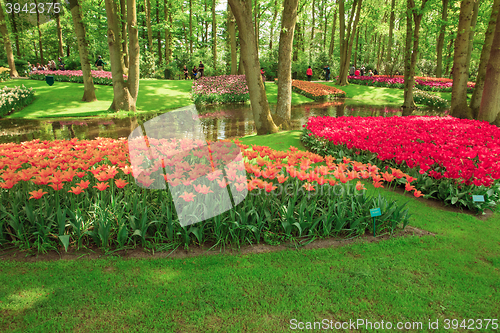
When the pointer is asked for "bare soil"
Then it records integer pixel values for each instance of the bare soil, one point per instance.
(194, 251)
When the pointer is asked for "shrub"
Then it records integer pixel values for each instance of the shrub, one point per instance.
(99, 77)
(14, 99)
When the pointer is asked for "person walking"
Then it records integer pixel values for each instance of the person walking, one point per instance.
(186, 72)
(99, 63)
(201, 68)
(351, 70)
(263, 74)
(362, 71)
(327, 73)
(309, 73)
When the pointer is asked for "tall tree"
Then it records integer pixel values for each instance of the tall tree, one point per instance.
(123, 12)
(242, 10)
(490, 103)
(15, 33)
(475, 102)
(391, 32)
(124, 93)
(59, 33)
(190, 27)
(214, 35)
(459, 107)
(39, 33)
(231, 27)
(284, 102)
(158, 34)
(332, 40)
(167, 11)
(347, 38)
(413, 15)
(88, 83)
(6, 43)
(273, 22)
(148, 25)
(440, 41)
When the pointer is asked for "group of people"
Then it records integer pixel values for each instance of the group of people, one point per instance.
(309, 73)
(196, 73)
(353, 71)
(50, 66)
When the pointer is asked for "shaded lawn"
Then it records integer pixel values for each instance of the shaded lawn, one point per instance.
(454, 274)
(373, 96)
(63, 99)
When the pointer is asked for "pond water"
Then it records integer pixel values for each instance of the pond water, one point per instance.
(217, 122)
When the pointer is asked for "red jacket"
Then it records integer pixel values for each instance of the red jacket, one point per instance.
(356, 73)
(309, 71)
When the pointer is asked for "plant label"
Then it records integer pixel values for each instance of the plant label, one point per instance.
(375, 212)
(478, 198)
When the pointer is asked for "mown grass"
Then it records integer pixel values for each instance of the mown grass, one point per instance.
(452, 275)
(63, 99)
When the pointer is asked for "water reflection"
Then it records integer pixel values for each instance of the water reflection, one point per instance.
(217, 122)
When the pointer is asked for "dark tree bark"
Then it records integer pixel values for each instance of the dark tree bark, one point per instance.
(391, 29)
(123, 11)
(6, 43)
(88, 83)
(459, 107)
(332, 41)
(231, 27)
(39, 33)
(16, 34)
(284, 101)
(214, 35)
(190, 27)
(59, 34)
(242, 10)
(347, 38)
(273, 22)
(490, 103)
(475, 102)
(411, 53)
(440, 41)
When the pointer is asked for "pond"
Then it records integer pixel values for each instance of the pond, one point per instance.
(217, 122)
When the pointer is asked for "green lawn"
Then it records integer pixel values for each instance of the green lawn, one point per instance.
(452, 275)
(372, 96)
(63, 99)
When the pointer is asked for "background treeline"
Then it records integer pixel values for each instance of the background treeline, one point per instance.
(173, 33)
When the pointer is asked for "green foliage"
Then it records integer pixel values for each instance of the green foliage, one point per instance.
(147, 65)
(14, 99)
(422, 97)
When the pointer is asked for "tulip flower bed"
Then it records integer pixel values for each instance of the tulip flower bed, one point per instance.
(99, 77)
(14, 99)
(81, 193)
(422, 83)
(316, 91)
(452, 159)
(220, 89)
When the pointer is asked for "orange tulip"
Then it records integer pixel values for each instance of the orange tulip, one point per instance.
(101, 186)
(37, 194)
(120, 183)
(187, 196)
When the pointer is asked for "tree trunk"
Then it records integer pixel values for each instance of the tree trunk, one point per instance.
(190, 27)
(448, 57)
(284, 101)
(59, 34)
(148, 25)
(6, 43)
(158, 35)
(391, 29)
(167, 31)
(88, 83)
(475, 102)
(231, 27)
(124, 93)
(39, 34)
(459, 107)
(356, 47)
(412, 53)
(16, 34)
(408, 103)
(490, 103)
(347, 39)
(214, 35)
(242, 10)
(440, 41)
(273, 22)
(332, 40)
(313, 17)
(123, 12)
(471, 34)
